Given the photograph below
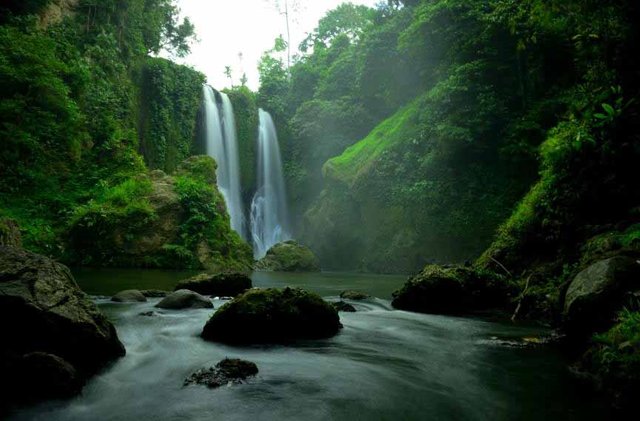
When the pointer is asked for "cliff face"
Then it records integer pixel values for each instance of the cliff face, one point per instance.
(55, 11)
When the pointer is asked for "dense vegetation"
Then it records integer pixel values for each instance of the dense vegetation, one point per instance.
(85, 112)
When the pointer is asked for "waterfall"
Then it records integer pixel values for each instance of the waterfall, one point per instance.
(269, 216)
(222, 145)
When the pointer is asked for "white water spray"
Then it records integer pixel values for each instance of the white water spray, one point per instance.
(222, 145)
(269, 215)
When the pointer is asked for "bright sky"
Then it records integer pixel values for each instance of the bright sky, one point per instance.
(227, 28)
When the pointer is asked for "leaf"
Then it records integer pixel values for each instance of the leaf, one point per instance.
(600, 116)
(608, 108)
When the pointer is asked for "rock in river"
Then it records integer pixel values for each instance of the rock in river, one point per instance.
(289, 256)
(226, 284)
(50, 329)
(226, 371)
(273, 316)
(129, 296)
(183, 299)
(354, 295)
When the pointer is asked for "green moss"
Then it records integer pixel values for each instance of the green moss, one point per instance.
(245, 109)
(273, 315)
(289, 256)
(170, 96)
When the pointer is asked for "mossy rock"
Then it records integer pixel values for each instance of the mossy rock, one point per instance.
(273, 316)
(226, 284)
(157, 220)
(289, 256)
(453, 290)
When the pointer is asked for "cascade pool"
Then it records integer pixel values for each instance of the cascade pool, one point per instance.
(384, 365)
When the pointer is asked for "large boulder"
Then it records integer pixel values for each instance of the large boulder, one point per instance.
(354, 295)
(289, 256)
(183, 299)
(273, 316)
(129, 296)
(50, 328)
(226, 284)
(598, 292)
(452, 290)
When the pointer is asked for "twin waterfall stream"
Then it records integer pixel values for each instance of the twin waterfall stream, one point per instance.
(268, 223)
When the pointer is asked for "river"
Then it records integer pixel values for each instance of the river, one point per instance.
(384, 365)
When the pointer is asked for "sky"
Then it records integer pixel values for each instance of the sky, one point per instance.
(228, 28)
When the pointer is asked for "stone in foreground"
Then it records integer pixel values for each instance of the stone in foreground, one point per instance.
(354, 295)
(227, 371)
(273, 316)
(229, 284)
(129, 296)
(51, 330)
(342, 306)
(289, 256)
(184, 299)
(598, 292)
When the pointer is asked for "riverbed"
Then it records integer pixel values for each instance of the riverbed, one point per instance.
(384, 364)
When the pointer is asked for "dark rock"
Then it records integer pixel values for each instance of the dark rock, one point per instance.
(219, 284)
(225, 372)
(46, 376)
(129, 296)
(598, 292)
(147, 313)
(183, 299)
(354, 295)
(342, 306)
(154, 293)
(42, 310)
(289, 256)
(452, 290)
(273, 316)
(10, 233)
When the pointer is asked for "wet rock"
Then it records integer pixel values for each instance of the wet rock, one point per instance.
(342, 306)
(47, 376)
(184, 299)
(154, 293)
(354, 295)
(273, 316)
(129, 296)
(227, 371)
(219, 284)
(598, 292)
(42, 310)
(147, 313)
(289, 256)
(453, 290)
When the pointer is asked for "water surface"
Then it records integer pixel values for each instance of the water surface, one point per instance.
(384, 365)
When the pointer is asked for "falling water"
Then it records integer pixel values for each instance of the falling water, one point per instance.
(222, 145)
(269, 216)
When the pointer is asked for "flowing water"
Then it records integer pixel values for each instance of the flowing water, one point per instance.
(269, 215)
(384, 365)
(222, 145)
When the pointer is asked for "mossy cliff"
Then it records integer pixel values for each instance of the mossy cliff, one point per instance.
(156, 220)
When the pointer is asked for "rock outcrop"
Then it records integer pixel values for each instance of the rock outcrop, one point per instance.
(452, 290)
(184, 299)
(10, 233)
(129, 296)
(272, 316)
(53, 336)
(289, 256)
(598, 292)
(158, 220)
(225, 284)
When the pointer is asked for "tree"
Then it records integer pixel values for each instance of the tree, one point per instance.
(228, 74)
